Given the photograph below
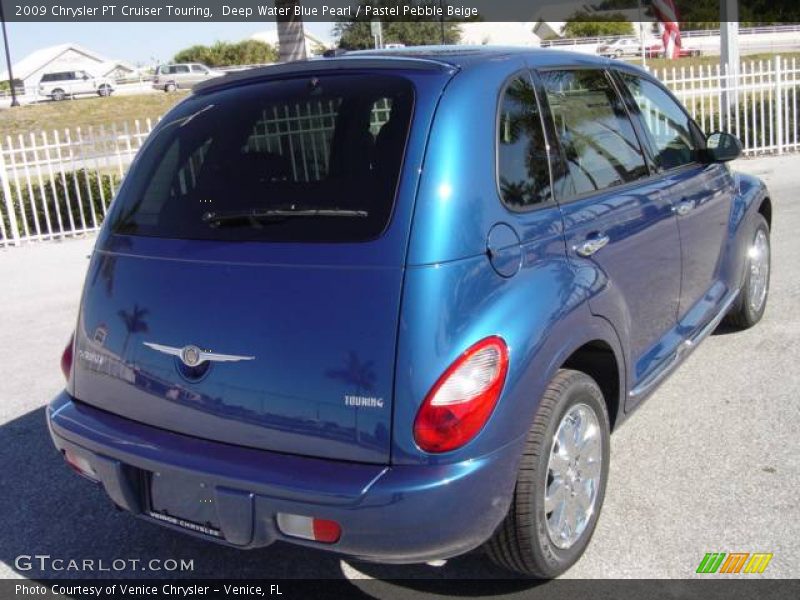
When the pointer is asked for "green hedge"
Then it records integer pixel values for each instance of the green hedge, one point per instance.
(753, 122)
(74, 184)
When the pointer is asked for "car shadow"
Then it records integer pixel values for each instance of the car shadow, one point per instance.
(724, 329)
(46, 509)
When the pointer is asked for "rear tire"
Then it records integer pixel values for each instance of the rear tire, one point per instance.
(170, 87)
(530, 540)
(752, 302)
(58, 95)
(104, 91)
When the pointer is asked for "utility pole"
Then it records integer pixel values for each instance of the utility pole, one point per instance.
(14, 101)
(441, 21)
(641, 35)
(729, 59)
(376, 28)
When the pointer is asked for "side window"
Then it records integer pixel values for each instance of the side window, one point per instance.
(522, 160)
(198, 69)
(669, 125)
(599, 143)
(181, 69)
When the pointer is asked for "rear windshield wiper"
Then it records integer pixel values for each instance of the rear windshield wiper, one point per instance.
(279, 214)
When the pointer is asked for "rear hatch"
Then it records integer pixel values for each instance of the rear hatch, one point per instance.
(246, 286)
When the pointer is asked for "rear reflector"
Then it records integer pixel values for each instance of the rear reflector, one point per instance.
(80, 465)
(66, 358)
(463, 399)
(309, 528)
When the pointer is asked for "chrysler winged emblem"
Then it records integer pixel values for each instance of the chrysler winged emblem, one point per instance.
(192, 356)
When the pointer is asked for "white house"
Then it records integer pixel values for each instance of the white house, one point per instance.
(314, 44)
(66, 57)
(482, 33)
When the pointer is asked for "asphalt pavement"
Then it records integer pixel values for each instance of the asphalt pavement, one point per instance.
(710, 463)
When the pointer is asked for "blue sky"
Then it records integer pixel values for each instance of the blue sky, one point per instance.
(136, 42)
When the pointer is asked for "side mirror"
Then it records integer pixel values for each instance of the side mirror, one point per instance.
(723, 147)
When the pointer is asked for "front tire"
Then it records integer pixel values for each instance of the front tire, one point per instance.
(104, 91)
(170, 87)
(58, 95)
(561, 482)
(752, 302)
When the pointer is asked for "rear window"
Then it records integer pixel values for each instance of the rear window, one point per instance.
(308, 159)
(56, 76)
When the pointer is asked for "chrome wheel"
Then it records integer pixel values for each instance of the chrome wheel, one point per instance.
(759, 272)
(573, 475)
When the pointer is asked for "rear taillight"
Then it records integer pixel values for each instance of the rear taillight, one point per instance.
(460, 403)
(66, 358)
(309, 528)
(80, 465)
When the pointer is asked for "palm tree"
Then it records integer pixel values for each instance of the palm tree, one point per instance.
(291, 37)
(360, 376)
(134, 323)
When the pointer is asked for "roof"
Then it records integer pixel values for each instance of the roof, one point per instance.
(466, 56)
(417, 57)
(110, 65)
(40, 58)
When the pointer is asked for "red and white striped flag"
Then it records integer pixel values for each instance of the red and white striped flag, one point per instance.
(667, 15)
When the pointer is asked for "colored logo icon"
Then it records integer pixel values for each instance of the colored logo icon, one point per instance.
(734, 563)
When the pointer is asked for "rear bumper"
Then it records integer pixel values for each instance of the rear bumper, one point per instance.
(397, 514)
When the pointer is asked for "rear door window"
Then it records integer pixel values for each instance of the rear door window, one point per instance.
(308, 159)
(598, 141)
(522, 159)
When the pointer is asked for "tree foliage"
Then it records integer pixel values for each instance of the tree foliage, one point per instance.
(222, 54)
(705, 14)
(411, 31)
(582, 24)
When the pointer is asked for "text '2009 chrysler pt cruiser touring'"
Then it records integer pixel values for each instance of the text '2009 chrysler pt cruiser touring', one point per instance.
(392, 304)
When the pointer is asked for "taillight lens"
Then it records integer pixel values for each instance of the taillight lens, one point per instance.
(460, 403)
(66, 358)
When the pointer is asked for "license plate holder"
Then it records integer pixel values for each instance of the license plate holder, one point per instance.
(183, 500)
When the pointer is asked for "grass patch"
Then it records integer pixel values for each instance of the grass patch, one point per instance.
(85, 112)
(707, 61)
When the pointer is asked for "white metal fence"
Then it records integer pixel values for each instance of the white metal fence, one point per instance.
(758, 103)
(56, 184)
(59, 183)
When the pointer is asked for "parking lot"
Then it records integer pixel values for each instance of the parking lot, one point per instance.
(709, 464)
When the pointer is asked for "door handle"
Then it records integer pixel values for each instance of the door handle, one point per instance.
(590, 247)
(684, 208)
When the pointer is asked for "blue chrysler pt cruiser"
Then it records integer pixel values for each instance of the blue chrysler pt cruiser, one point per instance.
(392, 304)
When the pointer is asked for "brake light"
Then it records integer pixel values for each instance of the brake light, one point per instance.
(66, 358)
(460, 403)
